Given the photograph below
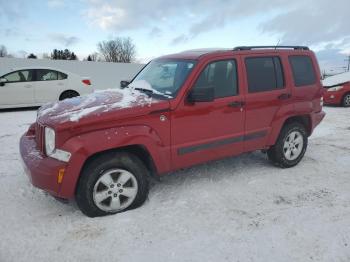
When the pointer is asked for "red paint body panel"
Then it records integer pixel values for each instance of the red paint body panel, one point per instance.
(41, 170)
(336, 97)
(188, 134)
(204, 123)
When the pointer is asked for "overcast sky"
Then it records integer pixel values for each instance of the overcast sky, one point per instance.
(160, 26)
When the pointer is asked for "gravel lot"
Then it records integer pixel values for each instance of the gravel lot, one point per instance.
(237, 209)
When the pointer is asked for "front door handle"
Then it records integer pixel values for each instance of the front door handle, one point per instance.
(236, 104)
(284, 96)
(28, 86)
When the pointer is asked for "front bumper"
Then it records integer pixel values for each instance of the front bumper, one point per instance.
(332, 98)
(41, 170)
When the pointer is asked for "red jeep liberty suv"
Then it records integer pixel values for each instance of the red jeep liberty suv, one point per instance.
(179, 110)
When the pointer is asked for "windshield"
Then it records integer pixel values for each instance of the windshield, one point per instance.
(165, 77)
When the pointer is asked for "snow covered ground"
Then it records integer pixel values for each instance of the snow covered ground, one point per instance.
(237, 209)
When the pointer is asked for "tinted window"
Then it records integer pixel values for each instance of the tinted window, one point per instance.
(264, 74)
(303, 70)
(46, 75)
(61, 76)
(19, 76)
(222, 75)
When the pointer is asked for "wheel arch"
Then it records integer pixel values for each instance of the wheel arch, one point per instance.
(138, 150)
(342, 98)
(304, 120)
(138, 140)
(67, 91)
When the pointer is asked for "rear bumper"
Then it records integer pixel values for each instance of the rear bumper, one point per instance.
(42, 171)
(316, 118)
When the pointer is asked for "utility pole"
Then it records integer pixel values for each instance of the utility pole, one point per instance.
(348, 61)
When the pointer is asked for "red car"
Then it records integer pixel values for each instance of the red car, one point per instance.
(338, 94)
(179, 110)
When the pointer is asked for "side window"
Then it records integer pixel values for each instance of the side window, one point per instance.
(222, 75)
(264, 74)
(303, 70)
(46, 75)
(19, 76)
(61, 76)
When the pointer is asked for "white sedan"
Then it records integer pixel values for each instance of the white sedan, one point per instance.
(37, 86)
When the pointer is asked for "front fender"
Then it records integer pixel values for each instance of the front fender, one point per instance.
(86, 145)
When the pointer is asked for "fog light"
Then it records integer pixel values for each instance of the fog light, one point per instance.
(60, 175)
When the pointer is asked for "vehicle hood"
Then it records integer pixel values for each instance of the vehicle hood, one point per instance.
(116, 103)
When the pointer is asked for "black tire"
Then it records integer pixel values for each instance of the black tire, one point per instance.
(95, 169)
(68, 94)
(346, 100)
(276, 153)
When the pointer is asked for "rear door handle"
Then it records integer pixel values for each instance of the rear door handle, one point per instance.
(236, 104)
(284, 96)
(28, 86)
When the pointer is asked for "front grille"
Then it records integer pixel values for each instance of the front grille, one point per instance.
(39, 136)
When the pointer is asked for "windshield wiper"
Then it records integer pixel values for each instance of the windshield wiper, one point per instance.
(145, 90)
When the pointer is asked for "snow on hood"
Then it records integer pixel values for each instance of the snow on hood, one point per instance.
(337, 79)
(74, 109)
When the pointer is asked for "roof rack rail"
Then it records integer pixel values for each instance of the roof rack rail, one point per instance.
(242, 48)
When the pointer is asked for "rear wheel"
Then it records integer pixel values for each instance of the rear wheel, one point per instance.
(290, 146)
(112, 183)
(68, 94)
(346, 100)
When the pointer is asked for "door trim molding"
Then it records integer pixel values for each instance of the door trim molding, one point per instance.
(220, 142)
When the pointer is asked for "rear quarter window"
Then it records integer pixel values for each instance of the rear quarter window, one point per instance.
(303, 70)
(62, 76)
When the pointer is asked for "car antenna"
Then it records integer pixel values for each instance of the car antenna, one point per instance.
(277, 43)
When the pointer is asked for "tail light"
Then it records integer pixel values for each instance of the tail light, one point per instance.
(86, 82)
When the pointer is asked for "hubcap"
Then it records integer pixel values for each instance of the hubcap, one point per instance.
(347, 100)
(293, 145)
(115, 190)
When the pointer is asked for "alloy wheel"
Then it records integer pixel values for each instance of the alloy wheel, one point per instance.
(293, 145)
(115, 190)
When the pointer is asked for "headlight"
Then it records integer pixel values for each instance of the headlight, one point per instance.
(49, 141)
(50, 146)
(336, 88)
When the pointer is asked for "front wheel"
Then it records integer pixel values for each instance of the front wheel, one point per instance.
(346, 100)
(112, 183)
(290, 146)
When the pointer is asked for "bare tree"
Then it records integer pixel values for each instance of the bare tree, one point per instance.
(92, 57)
(119, 50)
(3, 51)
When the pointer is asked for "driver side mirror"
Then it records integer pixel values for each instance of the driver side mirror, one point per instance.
(3, 81)
(124, 84)
(201, 94)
